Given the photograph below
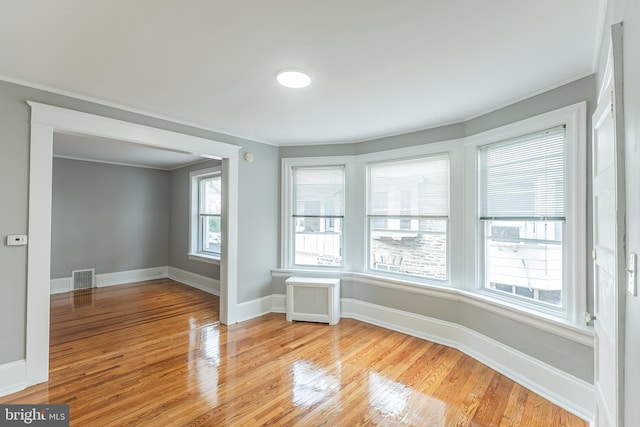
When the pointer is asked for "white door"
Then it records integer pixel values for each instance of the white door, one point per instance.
(609, 256)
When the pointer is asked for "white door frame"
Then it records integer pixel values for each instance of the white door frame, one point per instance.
(45, 120)
(610, 102)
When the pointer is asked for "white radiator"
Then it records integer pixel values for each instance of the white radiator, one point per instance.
(313, 299)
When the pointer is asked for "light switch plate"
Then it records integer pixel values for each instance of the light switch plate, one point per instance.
(631, 274)
(17, 240)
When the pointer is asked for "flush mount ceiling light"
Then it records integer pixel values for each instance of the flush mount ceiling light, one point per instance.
(294, 79)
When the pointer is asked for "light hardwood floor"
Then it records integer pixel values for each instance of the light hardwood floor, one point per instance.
(153, 353)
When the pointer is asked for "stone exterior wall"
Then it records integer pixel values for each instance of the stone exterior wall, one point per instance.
(422, 252)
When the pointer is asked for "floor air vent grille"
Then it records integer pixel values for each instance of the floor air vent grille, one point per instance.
(83, 279)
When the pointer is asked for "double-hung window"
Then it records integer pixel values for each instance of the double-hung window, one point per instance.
(408, 217)
(206, 211)
(522, 185)
(317, 215)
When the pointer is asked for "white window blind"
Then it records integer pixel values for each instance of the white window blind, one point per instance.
(210, 196)
(318, 191)
(412, 188)
(523, 178)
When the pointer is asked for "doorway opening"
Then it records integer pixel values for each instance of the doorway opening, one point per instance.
(45, 121)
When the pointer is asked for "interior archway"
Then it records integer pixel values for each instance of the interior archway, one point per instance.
(45, 120)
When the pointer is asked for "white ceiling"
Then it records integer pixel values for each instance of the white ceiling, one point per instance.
(104, 150)
(379, 67)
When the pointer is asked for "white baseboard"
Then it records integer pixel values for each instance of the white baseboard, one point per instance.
(279, 303)
(254, 308)
(13, 377)
(565, 390)
(122, 277)
(59, 286)
(206, 284)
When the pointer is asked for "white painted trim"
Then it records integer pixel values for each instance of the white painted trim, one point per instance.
(122, 107)
(574, 118)
(39, 253)
(206, 284)
(194, 210)
(563, 389)
(286, 247)
(47, 119)
(122, 277)
(275, 303)
(129, 165)
(254, 308)
(205, 259)
(599, 33)
(564, 329)
(13, 377)
(279, 303)
(60, 286)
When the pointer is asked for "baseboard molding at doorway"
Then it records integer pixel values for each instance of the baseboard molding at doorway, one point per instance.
(206, 284)
(13, 377)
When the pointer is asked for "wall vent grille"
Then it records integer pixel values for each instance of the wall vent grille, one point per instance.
(83, 279)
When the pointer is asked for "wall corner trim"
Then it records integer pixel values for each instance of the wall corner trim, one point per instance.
(261, 306)
(206, 284)
(13, 377)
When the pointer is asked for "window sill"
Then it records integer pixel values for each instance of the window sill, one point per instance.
(561, 327)
(204, 258)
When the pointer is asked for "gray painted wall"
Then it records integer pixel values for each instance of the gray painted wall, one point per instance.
(179, 222)
(628, 12)
(561, 353)
(111, 218)
(259, 210)
(258, 187)
(14, 184)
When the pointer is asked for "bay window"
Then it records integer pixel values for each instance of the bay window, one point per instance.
(497, 217)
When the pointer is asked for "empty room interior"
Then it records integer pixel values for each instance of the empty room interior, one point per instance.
(320, 213)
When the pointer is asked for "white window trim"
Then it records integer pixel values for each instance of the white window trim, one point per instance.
(412, 155)
(574, 118)
(287, 247)
(194, 177)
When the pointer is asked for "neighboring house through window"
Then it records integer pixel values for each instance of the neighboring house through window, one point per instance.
(522, 215)
(408, 213)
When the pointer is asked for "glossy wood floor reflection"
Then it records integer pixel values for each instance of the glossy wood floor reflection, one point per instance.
(154, 353)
